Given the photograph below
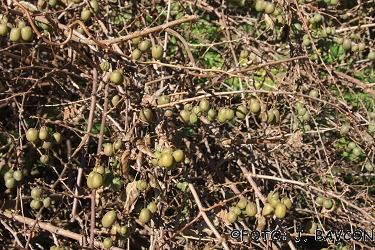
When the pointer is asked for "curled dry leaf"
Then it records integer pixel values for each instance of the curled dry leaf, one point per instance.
(270, 25)
(148, 99)
(125, 163)
(295, 139)
(132, 195)
(31, 7)
(261, 223)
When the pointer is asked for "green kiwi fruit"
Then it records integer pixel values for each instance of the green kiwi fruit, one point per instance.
(157, 52)
(145, 215)
(15, 34)
(109, 219)
(32, 135)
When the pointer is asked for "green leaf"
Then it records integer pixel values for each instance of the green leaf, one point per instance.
(358, 75)
(179, 15)
(334, 51)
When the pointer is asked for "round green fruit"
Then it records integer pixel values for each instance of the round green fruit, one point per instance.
(36, 204)
(163, 100)
(327, 203)
(43, 133)
(302, 111)
(251, 209)
(141, 185)
(351, 145)
(254, 106)
(270, 8)
(204, 105)
(94, 5)
(85, 14)
(32, 135)
(57, 138)
(369, 167)
(47, 144)
(10, 183)
(144, 46)
(166, 150)
(371, 55)
(18, 175)
(221, 118)
(354, 47)
(8, 174)
(47, 202)
(105, 66)
(152, 207)
(116, 77)
(168, 112)
(229, 114)
(333, 2)
(244, 54)
(117, 145)
(166, 160)
(116, 184)
(287, 202)
(361, 46)
(271, 116)
(122, 230)
(146, 115)
(99, 169)
(242, 203)
(136, 54)
(357, 151)
(178, 155)
(277, 115)
(21, 24)
(27, 33)
(344, 129)
(36, 193)
(267, 211)
(185, 116)
(196, 110)
(241, 112)
(3, 29)
(232, 217)
(311, 227)
(260, 5)
(188, 107)
(44, 159)
(212, 113)
(107, 243)
(96, 180)
(347, 44)
(193, 118)
(115, 100)
(136, 40)
(339, 40)
(145, 215)
(274, 202)
(109, 219)
(273, 195)
(371, 127)
(314, 93)
(157, 52)
(15, 34)
(306, 42)
(280, 210)
(108, 149)
(318, 18)
(306, 117)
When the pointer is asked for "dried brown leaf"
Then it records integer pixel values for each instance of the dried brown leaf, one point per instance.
(148, 99)
(132, 195)
(125, 163)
